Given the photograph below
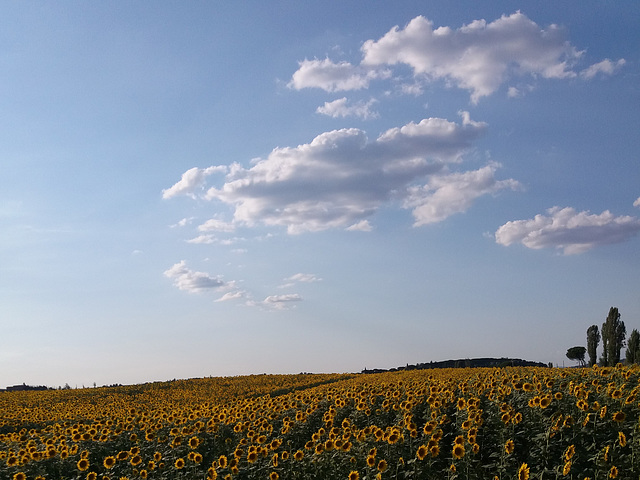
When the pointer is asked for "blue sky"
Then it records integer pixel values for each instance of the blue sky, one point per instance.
(226, 188)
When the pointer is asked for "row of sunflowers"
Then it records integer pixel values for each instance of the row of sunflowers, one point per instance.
(507, 423)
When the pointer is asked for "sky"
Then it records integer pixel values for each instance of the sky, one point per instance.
(232, 188)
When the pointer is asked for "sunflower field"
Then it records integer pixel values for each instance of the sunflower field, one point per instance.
(507, 423)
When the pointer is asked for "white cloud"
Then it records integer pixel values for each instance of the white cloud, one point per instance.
(479, 57)
(300, 278)
(340, 108)
(182, 223)
(203, 239)
(637, 203)
(446, 195)
(277, 302)
(573, 232)
(216, 225)
(234, 295)
(333, 77)
(606, 67)
(191, 182)
(192, 281)
(513, 92)
(361, 226)
(304, 278)
(341, 177)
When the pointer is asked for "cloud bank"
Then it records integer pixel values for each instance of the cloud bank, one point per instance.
(564, 228)
(479, 57)
(342, 177)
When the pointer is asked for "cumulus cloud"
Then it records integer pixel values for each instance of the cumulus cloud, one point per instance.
(446, 195)
(341, 177)
(191, 182)
(333, 77)
(341, 108)
(564, 228)
(192, 281)
(637, 203)
(605, 67)
(478, 57)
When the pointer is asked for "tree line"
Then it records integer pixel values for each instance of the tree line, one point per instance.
(613, 336)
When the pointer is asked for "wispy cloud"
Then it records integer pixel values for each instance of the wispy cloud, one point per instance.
(300, 278)
(277, 302)
(565, 228)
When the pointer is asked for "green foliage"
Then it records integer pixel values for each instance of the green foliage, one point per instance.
(577, 354)
(633, 348)
(613, 338)
(593, 339)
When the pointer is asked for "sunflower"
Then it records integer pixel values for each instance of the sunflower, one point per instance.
(299, 455)
(194, 442)
(622, 439)
(569, 452)
(509, 446)
(109, 462)
(523, 472)
(354, 475)
(619, 417)
(613, 473)
(212, 474)
(19, 476)
(566, 469)
(197, 458)
(179, 464)
(123, 455)
(434, 450)
(92, 476)
(252, 456)
(371, 461)
(135, 460)
(319, 448)
(458, 451)
(422, 452)
(222, 461)
(382, 465)
(274, 476)
(459, 440)
(545, 401)
(83, 464)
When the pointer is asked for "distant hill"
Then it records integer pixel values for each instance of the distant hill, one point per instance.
(463, 363)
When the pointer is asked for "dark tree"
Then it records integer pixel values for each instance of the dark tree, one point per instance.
(613, 338)
(593, 339)
(577, 353)
(633, 347)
